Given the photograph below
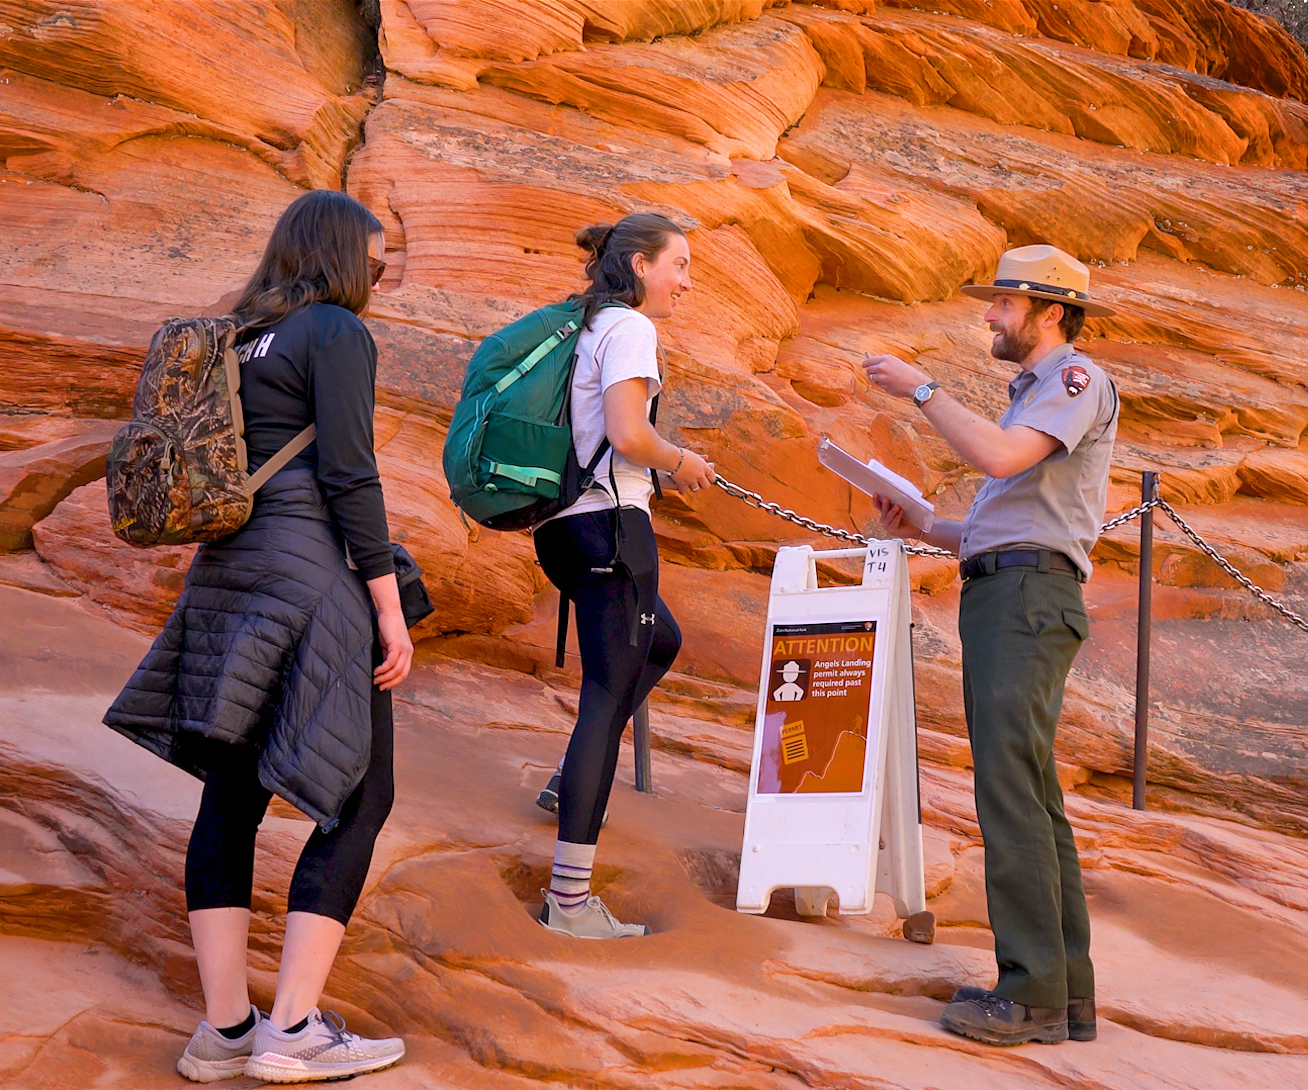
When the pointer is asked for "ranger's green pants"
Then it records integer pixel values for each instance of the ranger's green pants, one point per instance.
(1021, 629)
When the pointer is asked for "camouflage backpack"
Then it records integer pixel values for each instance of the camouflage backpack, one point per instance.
(176, 473)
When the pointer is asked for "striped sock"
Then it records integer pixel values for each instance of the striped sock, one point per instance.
(570, 879)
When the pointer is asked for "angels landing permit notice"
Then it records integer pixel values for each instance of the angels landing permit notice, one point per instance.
(819, 693)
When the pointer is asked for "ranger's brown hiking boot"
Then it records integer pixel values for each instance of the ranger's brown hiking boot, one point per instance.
(1081, 1024)
(998, 1021)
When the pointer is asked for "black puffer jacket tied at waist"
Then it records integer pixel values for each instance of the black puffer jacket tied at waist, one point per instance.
(271, 645)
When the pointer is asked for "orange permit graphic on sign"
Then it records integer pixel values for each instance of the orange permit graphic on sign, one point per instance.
(815, 722)
(794, 743)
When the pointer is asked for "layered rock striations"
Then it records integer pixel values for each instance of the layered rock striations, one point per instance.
(841, 169)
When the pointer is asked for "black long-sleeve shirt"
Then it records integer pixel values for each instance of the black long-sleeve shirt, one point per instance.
(319, 365)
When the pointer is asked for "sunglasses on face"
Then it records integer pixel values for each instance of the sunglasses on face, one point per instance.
(375, 269)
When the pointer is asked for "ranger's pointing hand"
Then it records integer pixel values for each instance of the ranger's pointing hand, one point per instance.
(893, 375)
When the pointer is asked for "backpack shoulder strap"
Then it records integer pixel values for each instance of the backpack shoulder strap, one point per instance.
(280, 459)
(283, 457)
(536, 355)
(654, 473)
(593, 464)
(654, 412)
(561, 642)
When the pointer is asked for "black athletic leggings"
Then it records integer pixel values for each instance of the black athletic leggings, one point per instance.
(330, 874)
(612, 607)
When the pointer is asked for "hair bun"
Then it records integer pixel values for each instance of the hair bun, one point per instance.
(594, 237)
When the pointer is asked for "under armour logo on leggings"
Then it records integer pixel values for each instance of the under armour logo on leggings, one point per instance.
(647, 618)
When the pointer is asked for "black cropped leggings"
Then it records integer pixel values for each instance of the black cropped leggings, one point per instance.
(612, 608)
(333, 866)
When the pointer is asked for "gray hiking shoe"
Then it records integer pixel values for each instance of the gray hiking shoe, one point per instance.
(548, 799)
(320, 1052)
(211, 1057)
(594, 921)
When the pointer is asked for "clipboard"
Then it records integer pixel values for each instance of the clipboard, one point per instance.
(874, 479)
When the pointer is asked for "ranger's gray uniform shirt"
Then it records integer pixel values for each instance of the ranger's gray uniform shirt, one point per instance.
(1058, 503)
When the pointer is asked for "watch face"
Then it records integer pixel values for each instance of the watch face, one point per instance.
(922, 393)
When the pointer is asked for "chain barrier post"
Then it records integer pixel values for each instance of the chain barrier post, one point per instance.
(640, 742)
(1143, 634)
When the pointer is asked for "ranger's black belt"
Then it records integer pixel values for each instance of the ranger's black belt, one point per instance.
(1042, 560)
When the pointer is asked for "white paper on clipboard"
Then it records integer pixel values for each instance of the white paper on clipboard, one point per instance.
(875, 479)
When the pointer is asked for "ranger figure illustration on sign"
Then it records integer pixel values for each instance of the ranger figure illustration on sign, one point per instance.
(791, 690)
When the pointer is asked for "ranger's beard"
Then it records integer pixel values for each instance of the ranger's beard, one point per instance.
(1015, 345)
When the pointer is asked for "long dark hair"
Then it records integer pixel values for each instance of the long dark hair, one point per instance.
(611, 247)
(318, 253)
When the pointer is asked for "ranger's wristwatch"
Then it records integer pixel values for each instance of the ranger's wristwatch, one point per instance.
(923, 393)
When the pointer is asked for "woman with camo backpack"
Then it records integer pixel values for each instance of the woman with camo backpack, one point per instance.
(274, 672)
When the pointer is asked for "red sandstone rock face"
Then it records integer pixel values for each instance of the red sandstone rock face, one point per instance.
(35, 479)
(140, 585)
(841, 169)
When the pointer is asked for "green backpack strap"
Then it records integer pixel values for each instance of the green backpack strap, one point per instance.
(531, 475)
(536, 355)
(527, 475)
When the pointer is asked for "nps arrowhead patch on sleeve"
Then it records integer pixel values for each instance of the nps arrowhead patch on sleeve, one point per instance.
(1075, 380)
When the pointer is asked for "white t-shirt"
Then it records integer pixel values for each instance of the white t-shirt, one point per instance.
(621, 344)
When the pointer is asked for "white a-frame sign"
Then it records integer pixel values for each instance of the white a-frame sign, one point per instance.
(833, 794)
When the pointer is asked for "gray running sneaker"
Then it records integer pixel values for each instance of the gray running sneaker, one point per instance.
(320, 1052)
(211, 1057)
(594, 921)
(548, 799)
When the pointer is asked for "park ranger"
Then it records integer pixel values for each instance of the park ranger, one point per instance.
(1024, 549)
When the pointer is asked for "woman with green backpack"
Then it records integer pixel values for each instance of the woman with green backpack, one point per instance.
(600, 551)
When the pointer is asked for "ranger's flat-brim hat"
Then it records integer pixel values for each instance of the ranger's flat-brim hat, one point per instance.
(1042, 272)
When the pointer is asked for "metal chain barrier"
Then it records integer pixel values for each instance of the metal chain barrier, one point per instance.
(1127, 516)
(1230, 568)
(755, 500)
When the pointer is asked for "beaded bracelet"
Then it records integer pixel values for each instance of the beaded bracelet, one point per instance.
(677, 470)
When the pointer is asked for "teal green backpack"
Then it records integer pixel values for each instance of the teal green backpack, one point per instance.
(508, 457)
